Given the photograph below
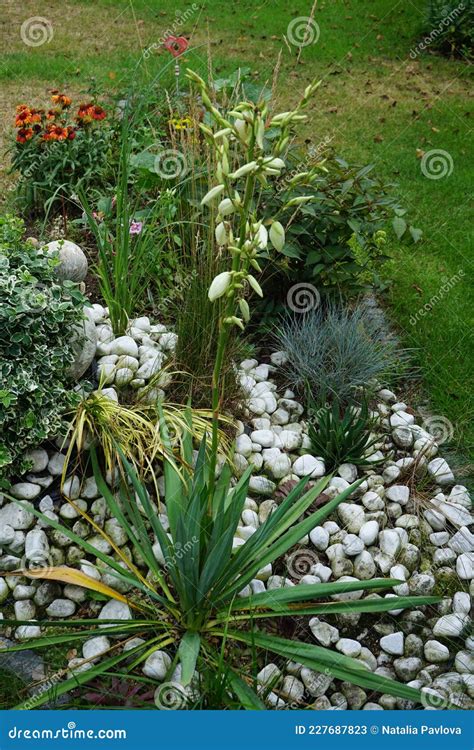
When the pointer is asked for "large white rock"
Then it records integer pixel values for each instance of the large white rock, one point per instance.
(84, 342)
(72, 261)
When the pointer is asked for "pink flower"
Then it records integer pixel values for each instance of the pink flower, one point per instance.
(136, 227)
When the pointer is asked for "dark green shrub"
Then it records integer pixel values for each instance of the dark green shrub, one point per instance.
(449, 28)
(337, 240)
(36, 317)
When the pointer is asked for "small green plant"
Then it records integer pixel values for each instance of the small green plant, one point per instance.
(340, 435)
(189, 602)
(37, 318)
(334, 350)
(125, 257)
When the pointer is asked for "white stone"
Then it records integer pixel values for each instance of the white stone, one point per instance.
(348, 472)
(269, 675)
(398, 493)
(435, 652)
(308, 465)
(95, 647)
(461, 603)
(349, 647)
(323, 632)
(456, 514)
(462, 541)
(243, 445)
(319, 537)
(465, 566)
(352, 516)
(369, 532)
(401, 419)
(61, 608)
(114, 610)
(262, 486)
(25, 490)
(439, 470)
(290, 440)
(157, 665)
(390, 543)
(450, 625)
(265, 438)
(124, 345)
(393, 643)
(353, 545)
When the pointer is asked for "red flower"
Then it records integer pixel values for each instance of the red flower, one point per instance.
(176, 45)
(24, 134)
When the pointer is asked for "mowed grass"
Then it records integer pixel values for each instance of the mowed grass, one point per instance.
(377, 103)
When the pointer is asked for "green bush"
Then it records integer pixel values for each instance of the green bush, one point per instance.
(36, 317)
(449, 27)
(336, 241)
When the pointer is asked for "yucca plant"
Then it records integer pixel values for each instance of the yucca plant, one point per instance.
(341, 435)
(191, 603)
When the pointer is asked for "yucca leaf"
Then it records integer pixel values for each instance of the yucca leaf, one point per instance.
(248, 698)
(188, 653)
(327, 661)
(74, 578)
(304, 591)
(332, 608)
(287, 540)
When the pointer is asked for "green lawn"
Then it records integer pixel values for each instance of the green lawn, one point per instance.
(377, 104)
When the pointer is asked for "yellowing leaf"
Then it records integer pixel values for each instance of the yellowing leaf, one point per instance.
(73, 577)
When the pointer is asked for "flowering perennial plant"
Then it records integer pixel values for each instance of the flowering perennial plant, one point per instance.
(249, 144)
(58, 149)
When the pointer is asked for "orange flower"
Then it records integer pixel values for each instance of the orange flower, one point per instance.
(27, 116)
(55, 133)
(88, 112)
(24, 134)
(61, 99)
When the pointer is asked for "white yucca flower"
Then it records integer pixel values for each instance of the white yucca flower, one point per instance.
(277, 236)
(219, 285)
(221, 234)
(213, 193)
(226, 207)
(242, 171)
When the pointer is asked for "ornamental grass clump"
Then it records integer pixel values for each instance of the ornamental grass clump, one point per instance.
(334, 352)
